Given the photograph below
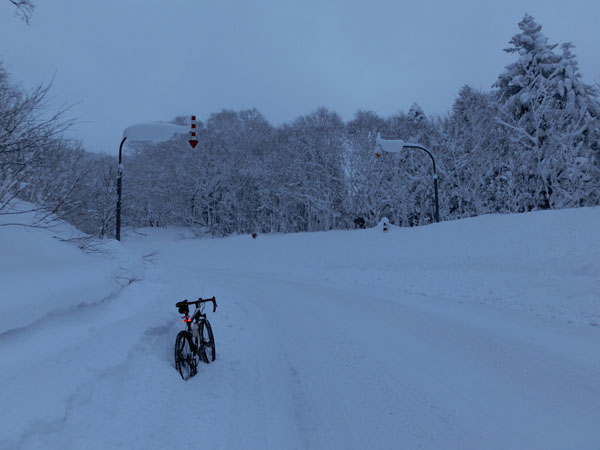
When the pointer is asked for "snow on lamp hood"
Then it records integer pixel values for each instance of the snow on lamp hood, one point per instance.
(156, 131)
(390, 145)
(393, 145)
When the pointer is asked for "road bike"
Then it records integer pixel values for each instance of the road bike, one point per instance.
(196, 343)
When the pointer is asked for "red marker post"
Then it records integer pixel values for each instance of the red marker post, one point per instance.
(193, 142)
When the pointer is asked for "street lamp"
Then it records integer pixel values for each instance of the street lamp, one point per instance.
(157, 132)
(396, 146)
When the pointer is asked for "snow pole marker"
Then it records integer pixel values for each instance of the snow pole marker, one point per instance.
(193, 142)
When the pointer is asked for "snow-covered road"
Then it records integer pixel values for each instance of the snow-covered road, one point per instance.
(312, 354)
(354, 370)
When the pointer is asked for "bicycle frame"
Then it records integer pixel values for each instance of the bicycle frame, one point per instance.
(198, 334)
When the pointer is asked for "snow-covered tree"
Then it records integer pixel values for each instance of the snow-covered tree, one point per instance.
(36, 163)
(475, 179)
(550, 115)
(237, 143)
(312, 147)
(366, 196)
(96, 196)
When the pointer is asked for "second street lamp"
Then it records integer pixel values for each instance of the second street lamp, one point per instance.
(397, 146)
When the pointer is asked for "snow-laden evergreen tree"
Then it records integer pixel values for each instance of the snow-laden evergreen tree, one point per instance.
(518, 84)
(551, 116)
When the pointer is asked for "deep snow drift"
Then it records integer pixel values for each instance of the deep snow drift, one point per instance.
(474, 334)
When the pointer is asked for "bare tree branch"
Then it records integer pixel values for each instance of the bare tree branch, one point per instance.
(24, 9)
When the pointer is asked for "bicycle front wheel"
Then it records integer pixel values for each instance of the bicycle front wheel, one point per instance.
(185, 361)
(207, 344)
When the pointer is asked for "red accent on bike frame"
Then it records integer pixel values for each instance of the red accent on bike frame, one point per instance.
(186, 319)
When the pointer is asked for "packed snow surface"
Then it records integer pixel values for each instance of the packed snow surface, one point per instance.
(474, 334)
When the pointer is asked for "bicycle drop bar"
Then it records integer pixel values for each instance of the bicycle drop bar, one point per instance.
(197, 302)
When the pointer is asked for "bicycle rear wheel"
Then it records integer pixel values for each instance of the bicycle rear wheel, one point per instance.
(185, 360)
(207, 344)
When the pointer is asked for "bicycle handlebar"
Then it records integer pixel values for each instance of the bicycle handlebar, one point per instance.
(197, 302)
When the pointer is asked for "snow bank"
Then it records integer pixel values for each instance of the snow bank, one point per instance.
(40, 274)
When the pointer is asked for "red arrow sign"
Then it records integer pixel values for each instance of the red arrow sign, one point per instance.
(193, 142)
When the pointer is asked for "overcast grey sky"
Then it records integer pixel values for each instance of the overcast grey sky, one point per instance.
(125, 62)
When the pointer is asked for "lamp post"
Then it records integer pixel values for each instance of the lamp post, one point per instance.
(157, 132)
(119, 186)
(396, 146)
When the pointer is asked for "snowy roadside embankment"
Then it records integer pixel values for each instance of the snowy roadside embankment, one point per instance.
(51, 295)
(41, 275)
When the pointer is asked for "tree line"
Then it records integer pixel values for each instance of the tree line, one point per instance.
(532, 142)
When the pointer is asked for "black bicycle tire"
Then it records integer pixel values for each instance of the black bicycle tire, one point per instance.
(179, 360)
(210, 343)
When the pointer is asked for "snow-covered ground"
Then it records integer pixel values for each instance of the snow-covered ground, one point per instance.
(475, 334)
